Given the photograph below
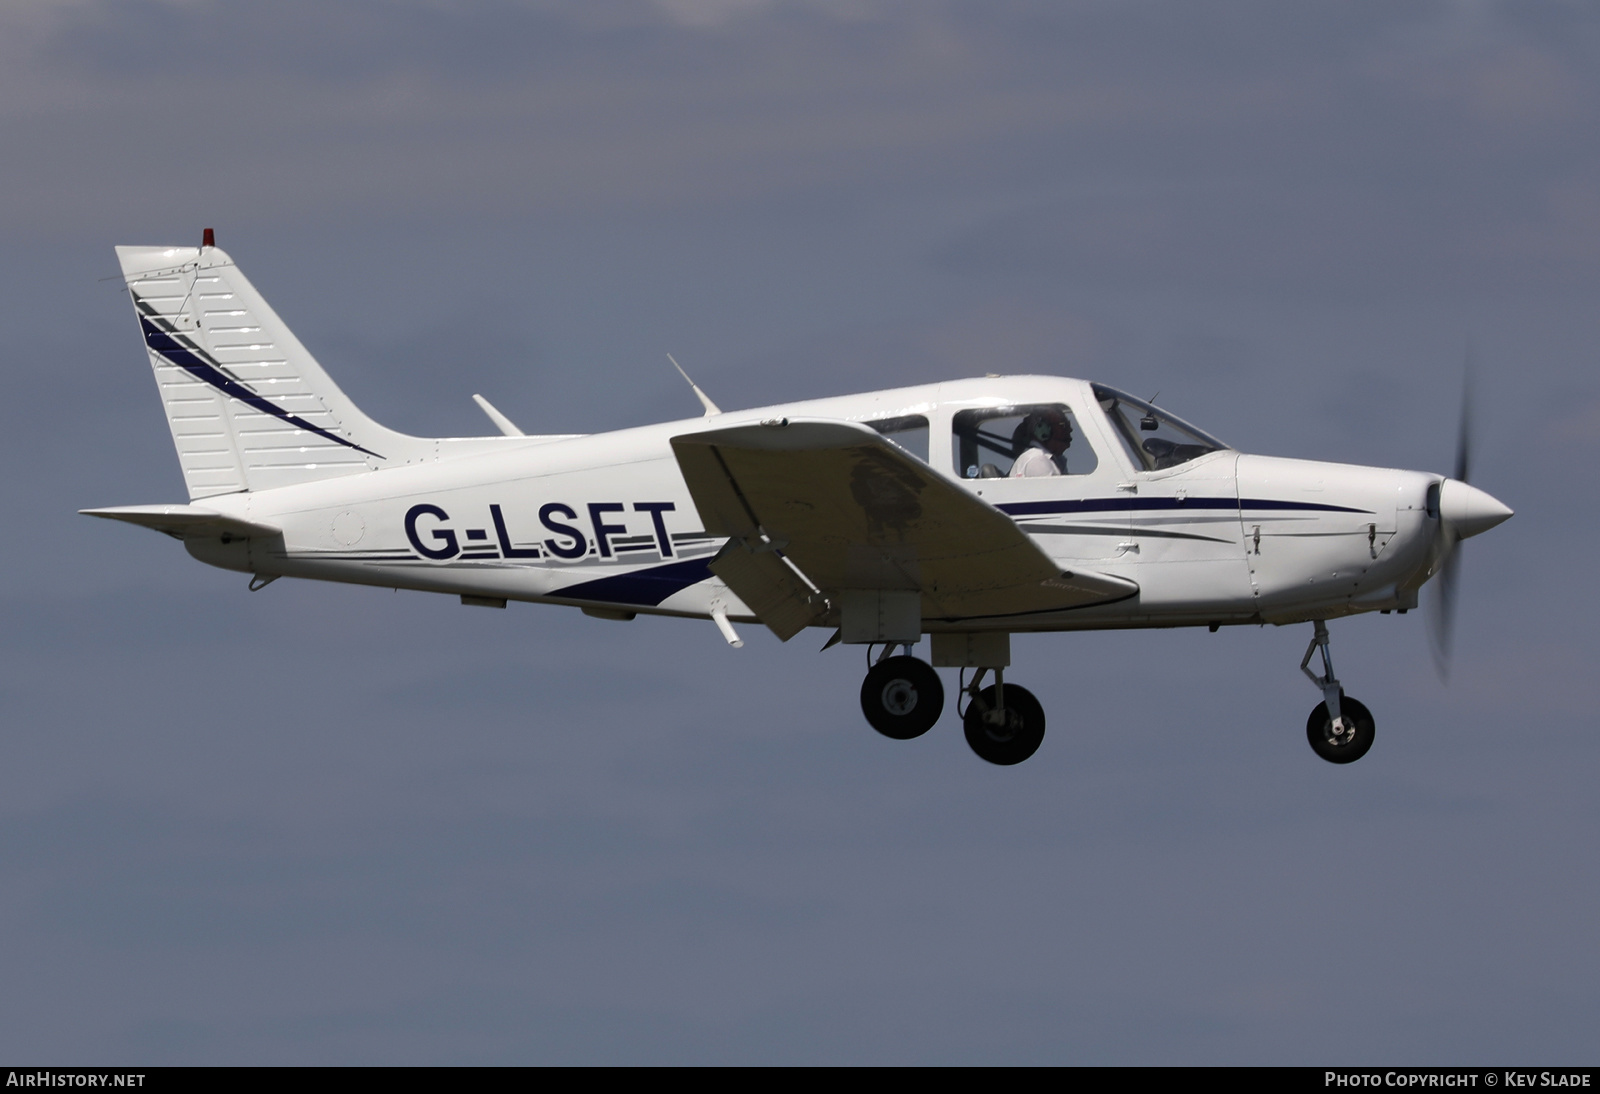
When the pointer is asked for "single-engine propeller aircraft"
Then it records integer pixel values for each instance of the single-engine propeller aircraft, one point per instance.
(965, 512)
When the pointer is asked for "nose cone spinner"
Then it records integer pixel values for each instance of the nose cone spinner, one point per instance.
(1468, 510)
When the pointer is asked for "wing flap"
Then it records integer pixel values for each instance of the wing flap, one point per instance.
(770, 588)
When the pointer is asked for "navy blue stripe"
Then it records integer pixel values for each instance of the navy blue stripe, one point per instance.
(649, 587)
(1268, 503)
(1129, 505)
(1112, 505)
(197, 366)
(1112, 530)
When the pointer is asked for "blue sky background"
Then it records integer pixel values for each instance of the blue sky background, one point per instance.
(320, 824)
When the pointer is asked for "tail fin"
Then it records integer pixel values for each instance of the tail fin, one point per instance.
(249, 408)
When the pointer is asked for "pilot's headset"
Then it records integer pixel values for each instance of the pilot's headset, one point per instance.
(1048, 427)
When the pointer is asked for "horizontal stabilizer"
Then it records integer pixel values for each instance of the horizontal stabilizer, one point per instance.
(852, 510)
(184, 520)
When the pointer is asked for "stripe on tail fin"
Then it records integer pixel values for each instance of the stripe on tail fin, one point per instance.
(249, 407)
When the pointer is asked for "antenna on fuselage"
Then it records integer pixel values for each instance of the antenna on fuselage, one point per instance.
(1150, 422)
(502, 423)
(711, 408)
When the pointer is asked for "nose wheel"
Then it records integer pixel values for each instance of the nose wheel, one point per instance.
(1340, 729)
(1350, 741)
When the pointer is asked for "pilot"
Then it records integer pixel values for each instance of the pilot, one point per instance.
(1041, 442)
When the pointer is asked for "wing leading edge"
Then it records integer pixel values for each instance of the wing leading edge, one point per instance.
(814, 508)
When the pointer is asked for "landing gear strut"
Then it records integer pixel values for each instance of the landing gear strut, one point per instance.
(1004, 723)
(1340, 729)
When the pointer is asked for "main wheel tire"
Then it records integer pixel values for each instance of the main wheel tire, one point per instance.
(1017, 738)
(902, 697)
(1353, 745)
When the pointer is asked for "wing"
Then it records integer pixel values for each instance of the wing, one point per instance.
(814, 508)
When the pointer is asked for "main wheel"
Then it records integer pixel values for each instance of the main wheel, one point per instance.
(902, 697)
(1009, 740)
(1340, 748)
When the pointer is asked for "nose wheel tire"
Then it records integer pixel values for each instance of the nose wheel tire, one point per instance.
(902, 697)
(1006, 736)
(1338, 748)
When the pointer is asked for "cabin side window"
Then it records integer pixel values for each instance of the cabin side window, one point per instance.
(910, 432)
(1015, 442)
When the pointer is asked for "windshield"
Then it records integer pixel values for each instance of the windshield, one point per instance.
(1155, 439)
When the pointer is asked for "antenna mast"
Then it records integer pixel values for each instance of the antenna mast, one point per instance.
(711, 408)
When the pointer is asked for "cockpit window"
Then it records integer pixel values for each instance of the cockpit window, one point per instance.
(910, 432)
(1154, 439)
(1000, 442)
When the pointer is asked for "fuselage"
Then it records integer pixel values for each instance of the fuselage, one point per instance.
(605, 521)
(966, 511)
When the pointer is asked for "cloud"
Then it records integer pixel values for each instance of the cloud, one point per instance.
(369, 106)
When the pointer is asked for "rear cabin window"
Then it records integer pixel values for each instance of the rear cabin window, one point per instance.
(1023, 441)
(910, 432)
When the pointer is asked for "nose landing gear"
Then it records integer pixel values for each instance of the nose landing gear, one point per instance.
(1340, 729)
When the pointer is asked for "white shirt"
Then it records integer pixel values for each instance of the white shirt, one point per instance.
(1033, 463)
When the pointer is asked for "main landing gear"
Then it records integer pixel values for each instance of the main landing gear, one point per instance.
(1004, 723)
(903, 697)
(1340, 729)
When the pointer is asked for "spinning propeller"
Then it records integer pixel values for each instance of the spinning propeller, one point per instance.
(1462, 511)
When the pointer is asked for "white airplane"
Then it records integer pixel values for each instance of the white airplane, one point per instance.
(966, 511)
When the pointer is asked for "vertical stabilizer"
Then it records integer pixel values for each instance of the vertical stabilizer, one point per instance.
(249, 407)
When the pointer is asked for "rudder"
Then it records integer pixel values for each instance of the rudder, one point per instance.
(249, 407)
